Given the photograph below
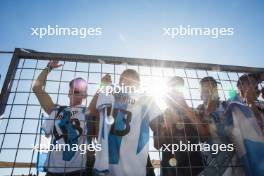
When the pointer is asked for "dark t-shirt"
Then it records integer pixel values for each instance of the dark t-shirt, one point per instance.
(188, 162)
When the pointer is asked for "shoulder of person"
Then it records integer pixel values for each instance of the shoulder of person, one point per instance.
(104, 99)
(57, 109)
(260, 104)
(146, 98)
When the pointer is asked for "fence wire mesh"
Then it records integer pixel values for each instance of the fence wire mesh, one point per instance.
(21, 112)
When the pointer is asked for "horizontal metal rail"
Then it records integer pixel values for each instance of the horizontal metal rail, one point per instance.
(4, 164)
(27, 53)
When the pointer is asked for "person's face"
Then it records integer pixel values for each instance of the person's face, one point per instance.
(209, 91)
(175, 95)
(128, 80)
(76, 96)
(249, 89)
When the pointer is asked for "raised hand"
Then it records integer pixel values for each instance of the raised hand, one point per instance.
(211, 106)
(106, 79)
(54, 64)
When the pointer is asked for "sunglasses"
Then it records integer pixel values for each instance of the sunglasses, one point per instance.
(77, 92)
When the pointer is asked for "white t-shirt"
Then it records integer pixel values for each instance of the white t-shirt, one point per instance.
(124, 143)
(68, 127)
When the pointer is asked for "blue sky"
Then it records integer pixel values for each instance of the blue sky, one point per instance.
(134, 29)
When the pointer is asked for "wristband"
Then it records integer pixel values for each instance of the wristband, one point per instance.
(49, 67)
